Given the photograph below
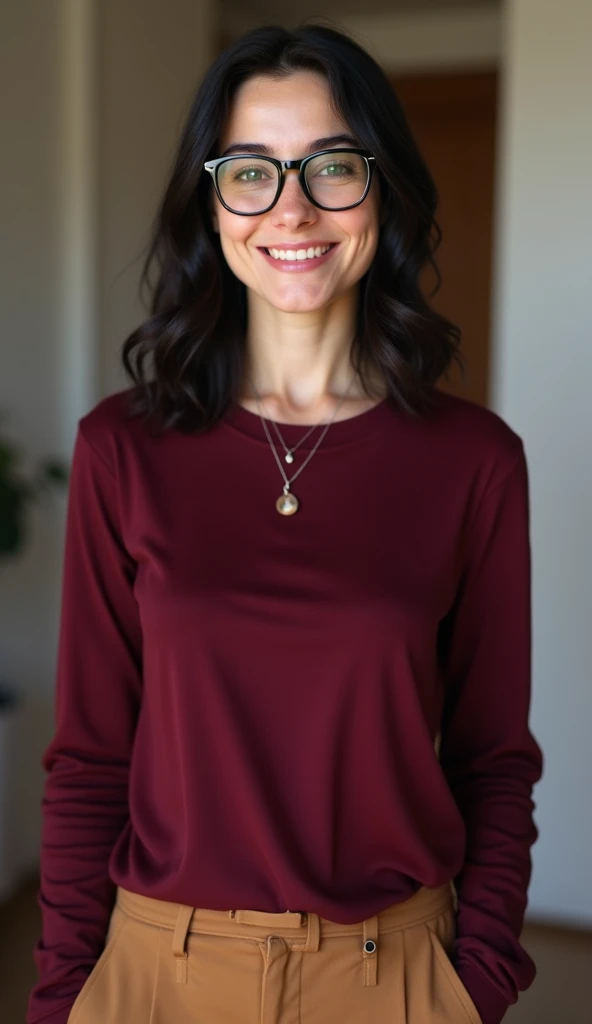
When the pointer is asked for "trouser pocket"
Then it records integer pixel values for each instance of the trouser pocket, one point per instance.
(120, 987)
(114, 932)
(436, 993)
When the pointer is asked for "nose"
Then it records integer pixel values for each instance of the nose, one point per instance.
(293, 206)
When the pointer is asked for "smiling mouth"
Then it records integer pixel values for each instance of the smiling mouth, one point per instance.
(297, 255)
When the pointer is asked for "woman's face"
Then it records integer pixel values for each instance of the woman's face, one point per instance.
(287, 116)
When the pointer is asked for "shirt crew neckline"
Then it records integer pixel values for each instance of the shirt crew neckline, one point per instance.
(353, 428)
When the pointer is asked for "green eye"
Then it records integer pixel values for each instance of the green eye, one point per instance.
(334, 170)
(250, 174)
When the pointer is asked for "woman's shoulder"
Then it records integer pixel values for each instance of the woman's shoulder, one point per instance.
(465, 414)
(110, 423)
(476, 434)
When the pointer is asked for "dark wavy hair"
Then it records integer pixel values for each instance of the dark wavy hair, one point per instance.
(196, 330)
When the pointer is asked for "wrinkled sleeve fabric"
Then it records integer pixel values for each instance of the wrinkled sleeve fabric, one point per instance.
(488, 753)
(98, 691)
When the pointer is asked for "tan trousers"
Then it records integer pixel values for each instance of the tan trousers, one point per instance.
(166, 963)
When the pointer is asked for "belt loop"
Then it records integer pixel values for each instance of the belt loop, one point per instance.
(370, 949)
(179, 938)
(312, 933)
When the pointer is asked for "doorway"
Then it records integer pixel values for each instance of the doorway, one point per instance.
(453, 117)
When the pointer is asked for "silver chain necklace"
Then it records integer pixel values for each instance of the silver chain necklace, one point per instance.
(288, 503)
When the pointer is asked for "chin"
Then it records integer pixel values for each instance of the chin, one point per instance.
(298, 300)
(297, 305)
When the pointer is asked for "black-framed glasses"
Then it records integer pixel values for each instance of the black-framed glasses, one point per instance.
(332, 179)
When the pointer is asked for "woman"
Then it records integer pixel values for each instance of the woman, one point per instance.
(292, 771)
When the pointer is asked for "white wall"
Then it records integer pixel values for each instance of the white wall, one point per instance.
(542, 387)
(91, 96)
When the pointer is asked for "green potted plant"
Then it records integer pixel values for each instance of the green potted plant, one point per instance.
(16, 493)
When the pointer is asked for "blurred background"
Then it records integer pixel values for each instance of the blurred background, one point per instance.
(92, 98)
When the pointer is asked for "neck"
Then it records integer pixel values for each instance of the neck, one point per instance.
(300, 361)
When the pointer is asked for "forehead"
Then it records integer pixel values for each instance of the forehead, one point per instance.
(274, 111)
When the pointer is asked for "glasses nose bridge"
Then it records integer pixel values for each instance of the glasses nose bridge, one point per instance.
(291, 165)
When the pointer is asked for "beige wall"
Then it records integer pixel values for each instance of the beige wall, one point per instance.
(30, 369)
(544, 371)
(408, 40)
(91, 98)
(415, 40)
(152, 56)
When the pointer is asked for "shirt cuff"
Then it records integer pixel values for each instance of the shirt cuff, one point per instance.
(58, 1016)
(491, 1004)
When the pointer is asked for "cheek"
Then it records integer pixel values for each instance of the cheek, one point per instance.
(362, 223)
(232, 245)
(363, 231)
(235, 233)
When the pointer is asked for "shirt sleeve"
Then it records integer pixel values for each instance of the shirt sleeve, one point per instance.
(488, 754)
(98, 689)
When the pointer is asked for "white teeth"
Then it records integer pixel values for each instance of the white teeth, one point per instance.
(298, 254)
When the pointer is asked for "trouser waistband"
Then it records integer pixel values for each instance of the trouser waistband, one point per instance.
(299, 930)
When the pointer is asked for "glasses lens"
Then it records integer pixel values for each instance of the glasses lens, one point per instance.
(247, 184)
(337, 179)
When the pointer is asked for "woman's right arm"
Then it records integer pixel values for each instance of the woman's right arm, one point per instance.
(98, 693)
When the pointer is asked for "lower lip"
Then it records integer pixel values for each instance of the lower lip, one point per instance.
(297, 266)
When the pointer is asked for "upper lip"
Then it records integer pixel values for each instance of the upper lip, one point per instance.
(295, 245)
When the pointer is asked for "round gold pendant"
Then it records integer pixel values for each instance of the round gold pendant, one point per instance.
(287, 504)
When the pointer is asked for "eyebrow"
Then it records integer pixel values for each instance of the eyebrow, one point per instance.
(257, 147)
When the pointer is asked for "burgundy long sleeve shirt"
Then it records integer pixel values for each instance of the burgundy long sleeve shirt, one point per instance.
(321, 711)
